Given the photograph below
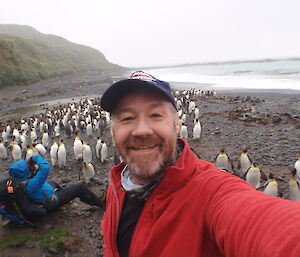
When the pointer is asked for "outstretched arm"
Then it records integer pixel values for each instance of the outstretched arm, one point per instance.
(248, 223)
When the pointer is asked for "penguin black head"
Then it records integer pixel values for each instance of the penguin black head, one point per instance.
(293, 171)
(271, 176)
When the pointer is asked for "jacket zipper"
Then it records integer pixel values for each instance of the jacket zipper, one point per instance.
(118, 214)
(148, 204)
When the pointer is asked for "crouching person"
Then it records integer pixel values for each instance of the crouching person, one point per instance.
(49, 195)
(16, 206)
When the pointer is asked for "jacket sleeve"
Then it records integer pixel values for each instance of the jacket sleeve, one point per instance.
(36, 183)
(245, 222)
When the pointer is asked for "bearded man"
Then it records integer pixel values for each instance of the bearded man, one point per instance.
(164, 201)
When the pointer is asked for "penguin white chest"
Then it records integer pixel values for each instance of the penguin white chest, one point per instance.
(272, 188)
(253, 177)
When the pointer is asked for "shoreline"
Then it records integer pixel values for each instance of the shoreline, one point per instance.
(16, 100)
(258, 92)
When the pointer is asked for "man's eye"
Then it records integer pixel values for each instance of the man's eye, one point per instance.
(156, 115)
(127, 119)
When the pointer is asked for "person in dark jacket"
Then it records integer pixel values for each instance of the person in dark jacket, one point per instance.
(49, 195)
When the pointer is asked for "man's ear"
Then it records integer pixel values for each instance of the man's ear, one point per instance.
(112, 136)
(177, 125)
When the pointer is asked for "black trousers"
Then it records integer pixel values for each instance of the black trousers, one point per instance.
(68, 193)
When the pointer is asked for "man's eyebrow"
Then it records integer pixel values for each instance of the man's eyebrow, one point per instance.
(129, 109)
(124, 109)
(154, 105)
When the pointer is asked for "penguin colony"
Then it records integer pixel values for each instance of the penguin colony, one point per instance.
(186, 103)
(85, 123)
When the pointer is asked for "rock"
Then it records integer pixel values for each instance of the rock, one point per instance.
(53, 250)
(47, 227)
(61, 172)
(87, 214)
(24, 91)
(88, 226)
(276, 119)
(93, 234)
(32, 244)
(65, 180)
(75, 205)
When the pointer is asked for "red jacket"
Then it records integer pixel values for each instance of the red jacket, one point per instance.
(199, 211)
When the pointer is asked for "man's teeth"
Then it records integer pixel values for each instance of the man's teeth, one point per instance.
(144, 148)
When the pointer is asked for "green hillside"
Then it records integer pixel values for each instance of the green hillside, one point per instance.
(28, 56)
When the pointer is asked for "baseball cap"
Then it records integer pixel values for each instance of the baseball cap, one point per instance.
(136, 80)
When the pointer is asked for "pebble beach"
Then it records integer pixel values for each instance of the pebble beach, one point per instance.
(271, 134)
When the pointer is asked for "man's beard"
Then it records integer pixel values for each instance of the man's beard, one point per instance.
(152, 166)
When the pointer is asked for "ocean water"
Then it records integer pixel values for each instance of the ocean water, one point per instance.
(262, 74)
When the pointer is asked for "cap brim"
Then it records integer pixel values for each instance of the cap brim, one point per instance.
(115, 92)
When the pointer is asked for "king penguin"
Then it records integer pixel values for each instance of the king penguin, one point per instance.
(183, 131)
(4, 135)
(53, 153)
(244, 163)
(297, 167)
(192, 106)
(88, 171)
(77, 147)
(62, 155)
(16, 152)
(89, 129)
(222, 161)
(3, 152)
(253, 176)
(197, 113)
(29, 153)
(33, 135)
(103, 152)
(86, 153)
(197, 130)
(23, 141)
(98, 147)
(41, 149)
(294, 188)
(271, 188)
(45, 139)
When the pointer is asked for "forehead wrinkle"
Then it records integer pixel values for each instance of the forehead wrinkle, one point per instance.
(131, 107)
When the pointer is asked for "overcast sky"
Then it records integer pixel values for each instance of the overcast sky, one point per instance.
(161, 32)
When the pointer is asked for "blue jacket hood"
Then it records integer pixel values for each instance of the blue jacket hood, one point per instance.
(19, 170)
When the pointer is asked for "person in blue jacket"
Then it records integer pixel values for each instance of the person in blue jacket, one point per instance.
(50, 195)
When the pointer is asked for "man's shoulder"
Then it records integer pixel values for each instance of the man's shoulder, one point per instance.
(206, 173)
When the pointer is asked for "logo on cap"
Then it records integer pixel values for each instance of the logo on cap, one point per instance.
(142, 76)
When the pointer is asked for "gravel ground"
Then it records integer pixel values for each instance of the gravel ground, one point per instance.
(271, 136)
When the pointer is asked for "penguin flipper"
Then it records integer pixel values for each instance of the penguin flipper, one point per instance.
(239, 164)
(298, 184)
(244, 176)
(215, 159)
(249, 159)
(262, 188)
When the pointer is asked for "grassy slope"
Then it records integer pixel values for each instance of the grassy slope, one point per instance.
(27, 56)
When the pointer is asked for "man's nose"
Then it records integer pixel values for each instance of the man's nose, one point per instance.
(142, 128)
